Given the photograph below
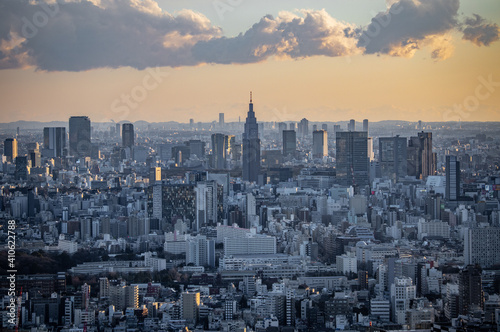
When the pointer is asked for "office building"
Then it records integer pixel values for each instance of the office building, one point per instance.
(289, 143)
(250, 245)
(482, 246)
(190, 303)
(196, 148)
(471, 297)
(34, 155)
(219, 149)
(303, 128)
(452, 178)
(10, 149)
(128, 136)
(221, 120)
(22, 168)
(172, 202)
(421, 160)
(54, 142)
(320, 144)
(402, 292)
(352, 158)
(351, 126)
(251, 146)
(393, 156)
(365, 125)
(209, 204)
(79, 136)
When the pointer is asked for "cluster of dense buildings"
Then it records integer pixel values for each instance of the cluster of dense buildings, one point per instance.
(257, 226)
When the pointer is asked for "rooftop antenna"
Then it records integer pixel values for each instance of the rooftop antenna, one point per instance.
(250, 96)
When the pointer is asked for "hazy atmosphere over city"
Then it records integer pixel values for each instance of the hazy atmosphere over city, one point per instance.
(249, 166)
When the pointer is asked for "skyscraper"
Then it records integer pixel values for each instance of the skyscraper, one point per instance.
(251, 146)
(79, 136)
(352, 158)
(393, 156)
(320, 144)
(221, 120)
(289, 143)
(128, 137)
(421, 159)
(351, 126)
(303, 127)
(219, 150)
(54, 141)
(10, 149)
(452, 178)
(365, 125)
(471, 295)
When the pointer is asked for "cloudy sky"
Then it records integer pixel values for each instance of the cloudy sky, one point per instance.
(331, 60)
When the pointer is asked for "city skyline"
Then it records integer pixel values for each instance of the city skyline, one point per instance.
(322, 59)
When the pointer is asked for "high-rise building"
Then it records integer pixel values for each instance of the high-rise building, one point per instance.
(471, 297)
(421, 159)
(196, 147)
(200, 251)
(79, 136)
(365, 125)
(172, 201)
(123, 297)
(221, 120)
(452, 178)
(190, 303)
(320, 144)
(22, 168)
(289, 143)
(402, 292)
(154, 175)
(34, 155)
(303, 128)
(351, 126)
(352, 158)
(209, 203)
(482, 246)
(291, 126)
(219, 150)
(251, 146)
(128, 136)
(393, 156)
(10, 149)
(54, 142)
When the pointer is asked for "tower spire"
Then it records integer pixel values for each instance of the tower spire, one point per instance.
(250, 96)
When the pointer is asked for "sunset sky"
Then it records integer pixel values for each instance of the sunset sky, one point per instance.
(172, 60)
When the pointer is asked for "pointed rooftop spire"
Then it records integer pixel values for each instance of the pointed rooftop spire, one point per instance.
(250, 96)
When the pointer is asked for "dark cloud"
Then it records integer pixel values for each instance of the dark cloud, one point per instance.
(408, 25)
(78, 36)
(480, 32)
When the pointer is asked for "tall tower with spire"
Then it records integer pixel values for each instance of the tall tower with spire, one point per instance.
(251, 146)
